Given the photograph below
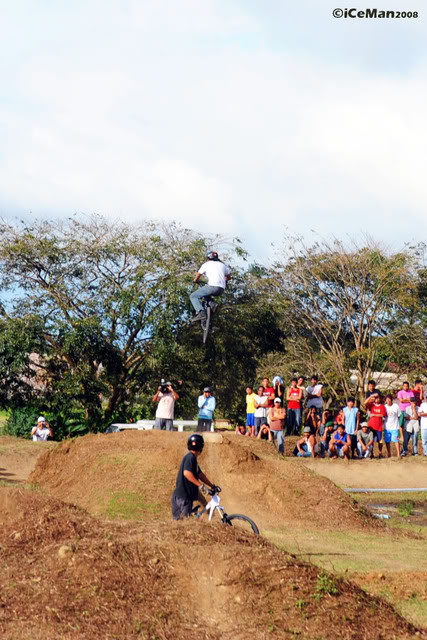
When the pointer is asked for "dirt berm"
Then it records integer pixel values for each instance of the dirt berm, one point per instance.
(131, 475)
(65, 574)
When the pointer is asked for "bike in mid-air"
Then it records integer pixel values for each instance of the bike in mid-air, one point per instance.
(210, 308)
(235, 519)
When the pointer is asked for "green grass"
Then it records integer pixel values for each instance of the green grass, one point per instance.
(406, 508)
(128, 505)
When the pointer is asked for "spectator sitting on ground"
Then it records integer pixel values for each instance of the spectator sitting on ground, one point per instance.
(340, 444)
(265, 433)
(42, 431)
(306, 447)
(365, 441)
(325, 433)
(241, 430)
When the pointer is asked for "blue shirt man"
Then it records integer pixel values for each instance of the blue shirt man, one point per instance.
(207, 404)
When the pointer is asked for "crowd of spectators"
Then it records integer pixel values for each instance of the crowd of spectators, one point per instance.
(398, 419)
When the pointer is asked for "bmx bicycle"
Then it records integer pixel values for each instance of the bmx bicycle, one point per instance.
(210, 307)
(234, 520)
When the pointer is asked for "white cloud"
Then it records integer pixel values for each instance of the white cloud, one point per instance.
(186, 111)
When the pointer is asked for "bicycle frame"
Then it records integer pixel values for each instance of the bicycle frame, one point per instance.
(212, 506)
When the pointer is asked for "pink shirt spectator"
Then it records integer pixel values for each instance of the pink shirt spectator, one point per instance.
(404, 398)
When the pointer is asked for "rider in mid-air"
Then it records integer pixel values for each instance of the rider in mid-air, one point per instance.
(217, 274)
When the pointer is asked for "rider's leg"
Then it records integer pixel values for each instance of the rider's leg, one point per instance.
(206, 290)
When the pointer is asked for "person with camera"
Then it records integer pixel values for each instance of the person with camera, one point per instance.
(42, 431)
(190, 479)
(166, 397)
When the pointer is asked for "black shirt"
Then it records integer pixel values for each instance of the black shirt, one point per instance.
(184, 488)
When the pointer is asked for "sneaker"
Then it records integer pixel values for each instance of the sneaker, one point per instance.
(403, 454)
(201, 315)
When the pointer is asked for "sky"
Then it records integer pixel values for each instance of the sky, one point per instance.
(238, 117)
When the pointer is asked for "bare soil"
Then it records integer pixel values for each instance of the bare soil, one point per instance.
(88, 549)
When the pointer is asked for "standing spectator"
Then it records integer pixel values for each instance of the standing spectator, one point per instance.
(418, 392)
(42, 431)
(312, 420)
(404, 396)
(294, 399)
(351, 422)
(306, 447)
(422, 412)
(261, 407)
(412, 426)
(376, 421)
(314, 395)
(250, 410)
(300, 385)
(166, 396)
(340, 444)
(277, 416)
(279, 389)
(370, 394)
(391, 425)
(207, 404)
(268, 392)
(365, 441)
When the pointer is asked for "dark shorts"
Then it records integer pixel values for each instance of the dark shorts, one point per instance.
(181, 507)
(378, 435)
(203, 424)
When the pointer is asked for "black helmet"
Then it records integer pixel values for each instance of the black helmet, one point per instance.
(195, 442)
(212, 255)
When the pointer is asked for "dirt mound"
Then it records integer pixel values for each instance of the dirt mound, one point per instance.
(18, 458)
(68, 575)
(131, 476)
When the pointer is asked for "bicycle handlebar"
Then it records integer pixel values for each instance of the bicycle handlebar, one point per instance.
(214, 490)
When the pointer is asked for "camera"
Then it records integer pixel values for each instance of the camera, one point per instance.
(164, 386)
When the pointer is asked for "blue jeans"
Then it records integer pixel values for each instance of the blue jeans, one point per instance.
(206, 290)
(410, 437)
(280, 437)
(424, 440)
(293, 422)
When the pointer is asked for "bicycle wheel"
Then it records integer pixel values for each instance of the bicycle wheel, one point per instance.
(206, 323)
(242, 522)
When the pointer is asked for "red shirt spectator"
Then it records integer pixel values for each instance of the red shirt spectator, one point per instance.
(268, 392)
(378, 413)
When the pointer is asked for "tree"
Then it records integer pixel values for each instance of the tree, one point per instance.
(341, 301)
(104, 298)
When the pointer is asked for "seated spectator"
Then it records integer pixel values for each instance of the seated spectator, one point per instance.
(340, 419)
(391, 425)
(325, 433)
(312, 420)
(276, 417)
(241, 430)
(351, 422)
(411, 429)
(340, 444)
(261, 408)
(42, 431)
(306, 447)
(264, 433)
(365, 441)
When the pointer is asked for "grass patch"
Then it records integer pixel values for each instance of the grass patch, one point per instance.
(128, 505)
(325, 585)
(406, 508)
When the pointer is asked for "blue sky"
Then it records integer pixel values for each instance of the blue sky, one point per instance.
(242, 118)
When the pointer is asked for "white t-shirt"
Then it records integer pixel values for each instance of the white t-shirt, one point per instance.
(166, 406)
(423, 419)
(215, 271)
(261, 412)
(411, 425)
(391, 422)
(41, 434)
(315, 402)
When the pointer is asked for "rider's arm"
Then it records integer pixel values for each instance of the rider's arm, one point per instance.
(189, 475)
(197, 277)
(205, 480)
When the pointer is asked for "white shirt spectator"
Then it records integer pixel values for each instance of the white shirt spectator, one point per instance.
(423, 419)
(165, 408)
(260, 412)
(391, 422)
(41, 433)
(216, 272)
(315, 402)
